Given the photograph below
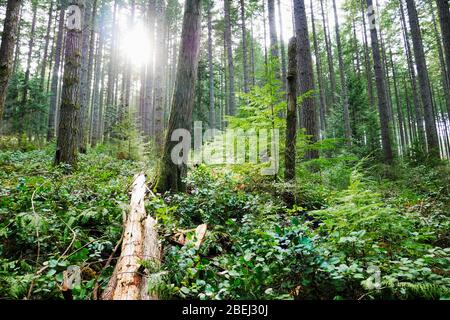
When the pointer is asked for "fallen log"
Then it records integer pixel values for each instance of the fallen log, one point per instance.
(140, 243)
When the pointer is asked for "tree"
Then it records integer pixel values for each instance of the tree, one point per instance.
(344, 89)
(424, 82)
(171, 174)
(229, 48)
(305, 77)
(381, 87)
(212, 109)
(444, 20)
(244, 46)
(7, 48)
(291, 114)
(55, 76)
(67, 142)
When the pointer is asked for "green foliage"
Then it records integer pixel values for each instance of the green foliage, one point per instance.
(75, 219)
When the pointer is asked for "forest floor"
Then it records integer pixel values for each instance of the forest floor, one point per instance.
(350, 230)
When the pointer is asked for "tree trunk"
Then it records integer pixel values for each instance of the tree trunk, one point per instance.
(7, 48)
(55, 77)
(229, 45)
(46, 45)
(381, 88)
(430, 125)
(272, 29)
(291, 114)
(23, 111)
(244, 46)
(212, 110)
(322, 98)
(67, 142)
(161, 60)
(282, 47)
(444, 20)
(329, 58)
(344, 89)
(367, 58)
(171, 174)
(418, 114)
(305, 77)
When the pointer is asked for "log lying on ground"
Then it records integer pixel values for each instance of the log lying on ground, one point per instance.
(140, 243)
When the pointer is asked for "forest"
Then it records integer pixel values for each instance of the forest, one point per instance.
(224, 150)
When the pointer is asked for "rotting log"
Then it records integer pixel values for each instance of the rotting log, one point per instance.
(140, 243)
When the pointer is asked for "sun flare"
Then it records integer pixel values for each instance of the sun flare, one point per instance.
(135, 45)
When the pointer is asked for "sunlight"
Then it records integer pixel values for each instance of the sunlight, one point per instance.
(135, 45)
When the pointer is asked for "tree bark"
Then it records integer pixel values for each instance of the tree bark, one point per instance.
(381, 88)
(282, 47)
(46, 45)
(244, 46)
(67, 142)
(305, 77)
(291, 114)
(55, 76)
(444, 20)
(7, 48)
(416, 35)
(329, 58)
(344, 89)
(171, 174)
(212, 109)
(229, 47)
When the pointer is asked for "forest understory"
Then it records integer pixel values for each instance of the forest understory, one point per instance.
(353, 229)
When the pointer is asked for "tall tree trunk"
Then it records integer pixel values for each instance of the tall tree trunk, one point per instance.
(244, 46)
(84, 85)
(367, 58)
(7, 48)
(88, 115)
(282, 47)
(305, 76)
(212, 109)
(329, 58)
(430, 125)
(171, 174)
(149, 85)
(398, 105)
(272, 29)
(444, 69)
(98, 87)
(229, 45)
(46, 45)
(161, 60)
(381, 88)
(418, 114)
(23, 112)
(291, 114)
(322, 98)
(55, 76)
(444, 20)
(344, 89)
(67, 142)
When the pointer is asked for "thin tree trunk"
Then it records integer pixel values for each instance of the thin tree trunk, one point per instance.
(212, 110)
(23, 112)
(322, 97)
(282, 47)
(229, 45)
(344, 89)
(430, 125)
(55, 77)
(381, 88)
(46, 46)
(329, 58)
(244, 46)
(291, 114)
(367, 58)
